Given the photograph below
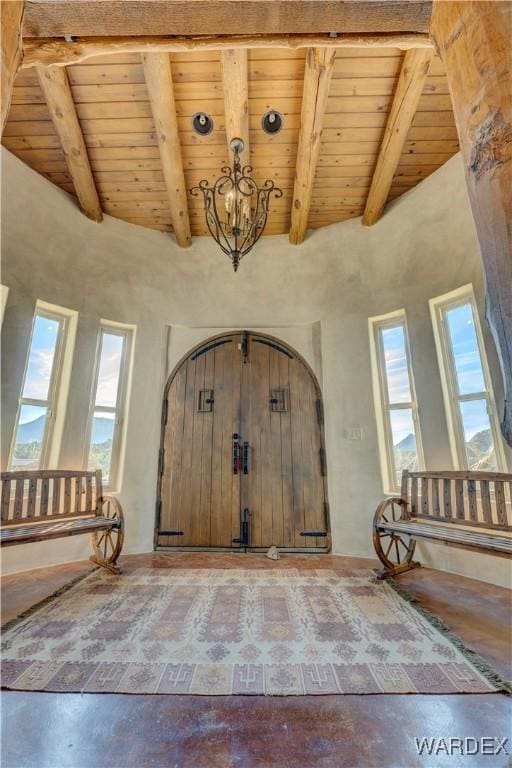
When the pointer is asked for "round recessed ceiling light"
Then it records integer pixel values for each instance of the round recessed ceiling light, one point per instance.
(272, 122)
(202, 123)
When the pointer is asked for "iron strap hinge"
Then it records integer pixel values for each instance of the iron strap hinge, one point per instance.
(245, 346)
(322, 461)
(319, 415)
(161, 456)
(326, 514)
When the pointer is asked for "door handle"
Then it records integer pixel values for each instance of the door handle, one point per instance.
(237, 461)
(246, 459)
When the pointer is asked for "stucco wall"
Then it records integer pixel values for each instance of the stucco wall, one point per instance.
(317, 297)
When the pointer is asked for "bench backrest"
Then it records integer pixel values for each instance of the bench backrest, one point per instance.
(480, 499)
(49, 494)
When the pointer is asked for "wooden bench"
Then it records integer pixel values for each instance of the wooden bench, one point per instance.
(466, 509)
(36, 506)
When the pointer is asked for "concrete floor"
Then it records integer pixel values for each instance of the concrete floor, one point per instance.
(45, 730)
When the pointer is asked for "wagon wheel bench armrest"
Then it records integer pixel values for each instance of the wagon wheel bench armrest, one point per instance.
(51, 504)
(395, 550)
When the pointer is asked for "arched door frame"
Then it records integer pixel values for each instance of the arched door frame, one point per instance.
(197, 348)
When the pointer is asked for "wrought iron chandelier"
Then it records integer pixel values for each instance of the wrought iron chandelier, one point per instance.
(235, 208)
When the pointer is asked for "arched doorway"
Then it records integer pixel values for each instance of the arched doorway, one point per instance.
(242, 458)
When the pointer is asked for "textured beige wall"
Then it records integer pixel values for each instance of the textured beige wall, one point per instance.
(317, 296)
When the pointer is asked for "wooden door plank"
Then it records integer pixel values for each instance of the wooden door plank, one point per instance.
(276, 419)
(318, 461)
(220, 512)
(238, 489)
(206, 455)
(169, 462)
(298, 477)
(286, 456)
(260, 364)
(184, 498)
(197, 447)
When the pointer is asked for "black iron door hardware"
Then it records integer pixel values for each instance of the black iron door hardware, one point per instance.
(278, 400)
(246, 459)
(237, 459)
(245, 347)
(244, 530)
(206, 400)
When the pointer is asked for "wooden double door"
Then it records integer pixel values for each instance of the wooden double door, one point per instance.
(242, 460)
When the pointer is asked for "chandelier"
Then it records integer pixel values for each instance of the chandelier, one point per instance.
(235, 208)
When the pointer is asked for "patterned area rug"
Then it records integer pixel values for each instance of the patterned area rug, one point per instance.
(274, 632)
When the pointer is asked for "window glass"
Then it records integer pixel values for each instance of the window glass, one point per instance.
(28, 444)
(478, 437)
(396, 407)
(109, 369)
(466, 355)
(469, 401)
(405, 449)
(102, 434)
(395, 357)
(107, 403)
(41, 358)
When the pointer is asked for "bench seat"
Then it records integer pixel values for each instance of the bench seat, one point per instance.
(17, 534)
(36, 505)
(452, 533)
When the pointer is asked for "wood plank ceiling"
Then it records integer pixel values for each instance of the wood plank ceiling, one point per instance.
(115, 116)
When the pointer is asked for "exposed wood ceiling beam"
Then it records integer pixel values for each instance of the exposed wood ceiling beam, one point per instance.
(58, 18)
(405, 102)
(317, 79)
(59, 99)
(49, 52)
(234, 66)
(474, 43)
(158, 75)
(12, 50)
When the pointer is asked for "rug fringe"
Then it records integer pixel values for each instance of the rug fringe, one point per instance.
(42, 603)
(483, 666)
